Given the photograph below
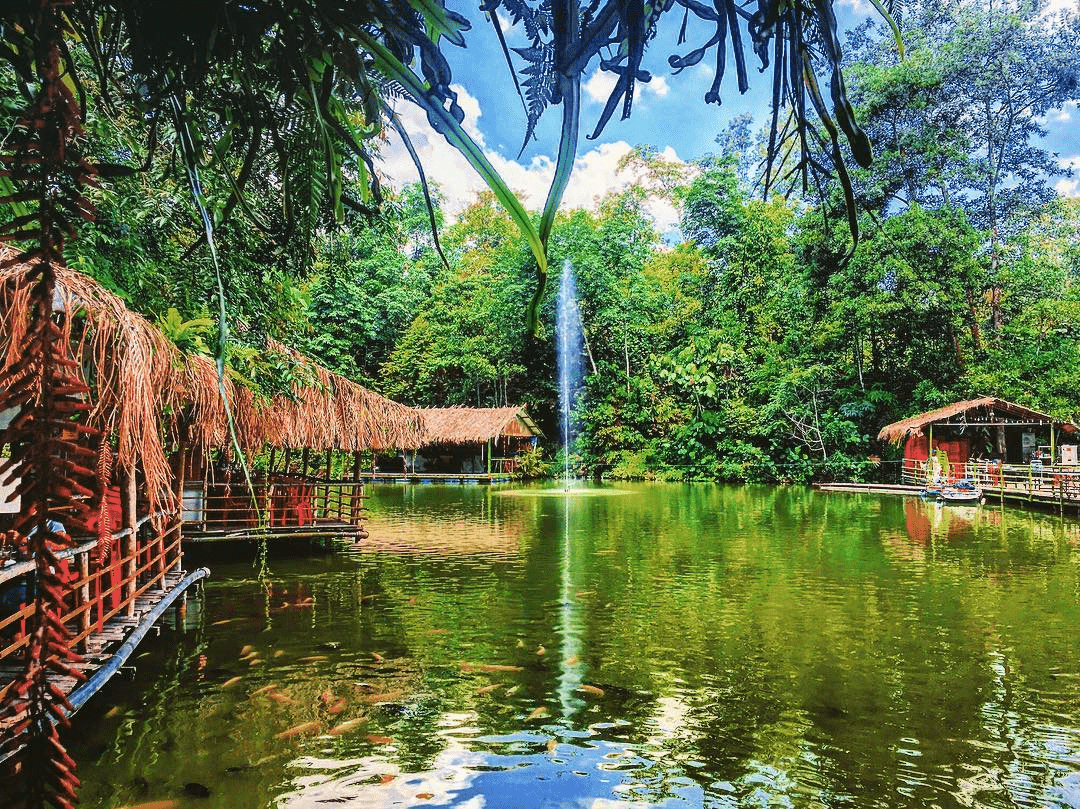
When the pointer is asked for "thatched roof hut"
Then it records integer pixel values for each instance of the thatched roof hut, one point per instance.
(139, 377)
(987, 411)
(475, 425)
(336, 414)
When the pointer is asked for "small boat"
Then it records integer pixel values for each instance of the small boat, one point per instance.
(961, 492)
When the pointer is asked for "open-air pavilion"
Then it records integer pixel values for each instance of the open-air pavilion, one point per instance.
(1010, 450)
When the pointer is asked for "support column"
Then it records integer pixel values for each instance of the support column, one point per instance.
(128, 544)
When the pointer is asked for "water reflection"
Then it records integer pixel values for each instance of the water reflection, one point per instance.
(680, 645)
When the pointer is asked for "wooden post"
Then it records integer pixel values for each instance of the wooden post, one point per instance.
(304, 462)
(270, 463)
(83, 600)
(128, 543)
(180, 482)
(930, 455)
(288, 458)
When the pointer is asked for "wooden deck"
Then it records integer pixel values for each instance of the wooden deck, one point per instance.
(439, 477)
(111, 647)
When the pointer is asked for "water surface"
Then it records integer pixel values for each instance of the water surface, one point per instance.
(695, 646)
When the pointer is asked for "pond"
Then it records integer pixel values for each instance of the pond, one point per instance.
(652, 645)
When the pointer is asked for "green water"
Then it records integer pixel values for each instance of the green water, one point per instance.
(742, 647)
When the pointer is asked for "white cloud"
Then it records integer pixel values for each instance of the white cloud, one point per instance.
(505, 23)
(599, 85)
(1068, 188)
(1062, 114)
(860, 7)
(658, 86)
(596, 171)
(1055, 6)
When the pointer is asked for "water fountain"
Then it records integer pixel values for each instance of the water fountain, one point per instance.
(569, 341)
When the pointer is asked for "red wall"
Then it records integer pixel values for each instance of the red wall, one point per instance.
(958, 449)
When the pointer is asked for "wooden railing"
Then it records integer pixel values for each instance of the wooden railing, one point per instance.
(287, 503)
(137, 564)
(1057, 482)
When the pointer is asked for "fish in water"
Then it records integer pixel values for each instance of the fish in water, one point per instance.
(114, 712)
(573, 661)
(493, 668)
(378, 658)
(265, 689)
(222, 622)
(346, 726)
(247, 650)
(552, 745)
(279, 698)
(297, 730)
(512, 690)
(196, 790)
(541, 651)
(326, 697)
(232, 681)
(539, 713)
(387, 696)
(437, 632)
(410, 600)
(425, 796)
(371, 737)
(337, 708)
(487, 689)
(279, 652)
(591, 689)
(520, 643)
(385, 778)
(311, 659)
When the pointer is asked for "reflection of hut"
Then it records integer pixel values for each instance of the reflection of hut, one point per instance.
(985, 429)
(474, 439)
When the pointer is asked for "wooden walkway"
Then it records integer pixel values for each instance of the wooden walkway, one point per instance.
(438, 477)
(109, 649)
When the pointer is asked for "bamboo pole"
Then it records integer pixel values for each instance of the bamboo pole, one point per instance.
(83, 600)
(128, 544)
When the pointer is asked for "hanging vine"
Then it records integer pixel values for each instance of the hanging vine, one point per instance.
(52, 451)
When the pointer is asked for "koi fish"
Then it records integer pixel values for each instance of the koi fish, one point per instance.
(385, 778)
(378, 658)
(591, 689)
(265, 689)
(539, 713)
(247, 650)
(337, 708)
(520, 644)
(114, 712)
(280, 699)
(232, 681)
(552, 745)
(222, 622)
(326, 697)
(379, 739)
(487, 689)
(296, 730)
(387, 696)
(491, 668)
(573, 661)
(279, 652)
(345, 727)
(541, 651)
(311, 659)
(425, 796)
(512, 690)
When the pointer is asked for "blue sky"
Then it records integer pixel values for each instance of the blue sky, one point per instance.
(669, 113)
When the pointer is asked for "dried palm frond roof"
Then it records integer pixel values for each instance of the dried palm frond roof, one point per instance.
(141, 379)
(335, 413)
(130, 363)
(470, 425)
(977, 411)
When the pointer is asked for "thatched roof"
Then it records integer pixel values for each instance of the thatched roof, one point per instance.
(337, 414)
(471, 425)
(131, 363)
(973, 411)
(139, 376)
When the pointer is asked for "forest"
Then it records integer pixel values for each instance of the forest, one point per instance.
(752, 344)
